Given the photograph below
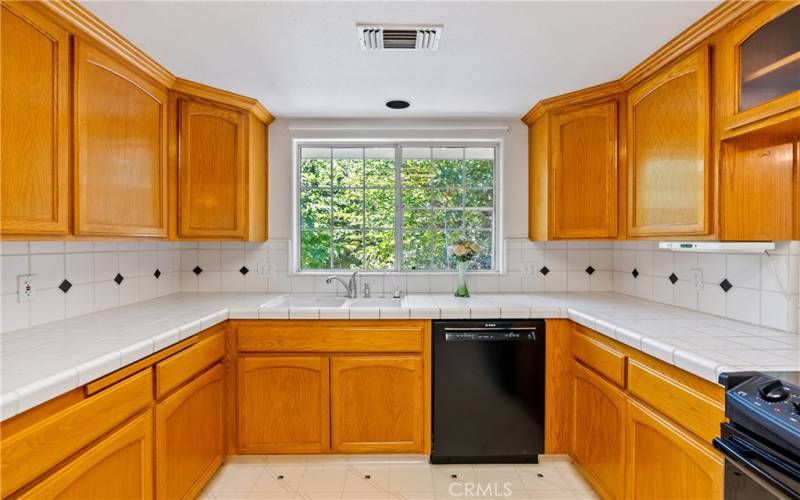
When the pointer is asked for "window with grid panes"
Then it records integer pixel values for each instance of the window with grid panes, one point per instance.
(394, 207)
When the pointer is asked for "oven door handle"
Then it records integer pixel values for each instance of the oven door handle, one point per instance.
(737, 452)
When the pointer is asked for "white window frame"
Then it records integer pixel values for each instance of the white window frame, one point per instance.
(398, 144)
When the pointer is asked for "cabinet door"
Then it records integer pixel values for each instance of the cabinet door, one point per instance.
(189, 436)
(34, 110)
(584, 172)
(760, 188)
(598, 437)
(120, 148)
(377, 403)
(119, 466)
(284, 404)
(759, 59)
(668, 150)
(665, 462)
(211, 171)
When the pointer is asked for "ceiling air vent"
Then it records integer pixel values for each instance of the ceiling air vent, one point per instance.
(374, 37)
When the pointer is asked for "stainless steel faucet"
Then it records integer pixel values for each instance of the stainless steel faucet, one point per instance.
(350, 286)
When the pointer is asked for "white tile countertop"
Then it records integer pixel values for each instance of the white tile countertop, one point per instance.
(38, 364)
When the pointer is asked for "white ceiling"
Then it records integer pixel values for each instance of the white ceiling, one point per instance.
(302, 58)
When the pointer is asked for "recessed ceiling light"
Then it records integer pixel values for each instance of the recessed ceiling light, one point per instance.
(397, 104)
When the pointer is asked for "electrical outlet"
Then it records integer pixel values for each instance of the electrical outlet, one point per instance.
(696, 277)
(265, 270)
(529, 270)
(25, 288)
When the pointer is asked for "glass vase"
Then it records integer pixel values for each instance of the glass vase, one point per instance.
(461, 283)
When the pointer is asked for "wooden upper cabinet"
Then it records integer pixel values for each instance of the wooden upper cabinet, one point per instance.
(598, 434)
(584, 172)
(760, 187)
(221, 171)
(759, 61)
(34, 111)
(573, 171)
(118, 466)
(669, 158)
(120, 148)
(377, 404)
(663, 461)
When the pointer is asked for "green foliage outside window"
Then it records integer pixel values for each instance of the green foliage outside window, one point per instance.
(349, 205)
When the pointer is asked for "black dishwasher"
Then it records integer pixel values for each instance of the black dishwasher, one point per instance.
(488, 391)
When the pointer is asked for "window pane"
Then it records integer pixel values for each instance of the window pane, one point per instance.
(315, 167)
(379, 167)
(348, 208)
(439, 251)
(416, 198)
(380, 208)
(420, 218)
(478, 198)
(478, 219)
(348, 167)
(416, 173)
(315, 249)
(484, 240)
(452, 197)
(479, 172)
(453, 218)
(417, 249)
(379, 250)
(315, 208)
(447, 173)
(348, 249)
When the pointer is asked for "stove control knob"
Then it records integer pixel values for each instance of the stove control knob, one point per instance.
(773, 391)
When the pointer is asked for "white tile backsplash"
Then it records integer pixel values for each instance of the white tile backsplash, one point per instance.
(90, 268)
(756, 294)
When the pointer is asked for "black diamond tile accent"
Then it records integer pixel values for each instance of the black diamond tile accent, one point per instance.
(367, 476)
(673, 278)
(157, 274)
(544, 270)
(118, 278)
(635, 273)
(244, 270)
(453, 476)
(65, 286)
(590, 270)
(197, 270)
(726, 285)
(280, 477)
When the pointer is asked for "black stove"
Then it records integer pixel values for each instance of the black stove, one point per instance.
(761, 443)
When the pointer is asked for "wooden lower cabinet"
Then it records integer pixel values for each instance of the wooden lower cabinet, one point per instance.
(283, 404)
(189, 435)
(665, 462)
(119, 466)
(377, 404)
(598, 438)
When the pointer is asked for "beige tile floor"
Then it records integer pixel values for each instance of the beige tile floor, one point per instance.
(390, 477)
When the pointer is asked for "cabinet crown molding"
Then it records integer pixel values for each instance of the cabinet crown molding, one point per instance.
(582, 96)
(208, 92)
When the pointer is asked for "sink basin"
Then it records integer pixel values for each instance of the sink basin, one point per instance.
(309, 301)
(376, 302)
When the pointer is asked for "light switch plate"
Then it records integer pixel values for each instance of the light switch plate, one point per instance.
(25, 288)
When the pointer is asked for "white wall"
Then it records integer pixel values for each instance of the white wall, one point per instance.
(514, 158)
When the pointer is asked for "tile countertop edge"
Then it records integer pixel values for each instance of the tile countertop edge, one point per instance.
(21, 398)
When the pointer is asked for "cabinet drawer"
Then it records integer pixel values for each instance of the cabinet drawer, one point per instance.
(601, 358)
(331, 336)
(694, 411)
(179, 368)
(30, 452)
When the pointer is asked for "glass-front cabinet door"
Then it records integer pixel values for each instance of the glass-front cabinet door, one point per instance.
(761, 59)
